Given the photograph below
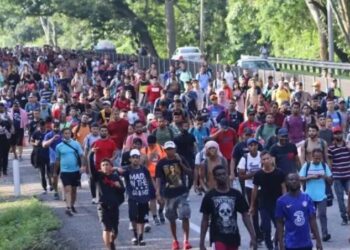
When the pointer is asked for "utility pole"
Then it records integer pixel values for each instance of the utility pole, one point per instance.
(330, 31)
(201, 28)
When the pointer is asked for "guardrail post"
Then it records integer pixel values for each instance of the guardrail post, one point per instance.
(16, 178)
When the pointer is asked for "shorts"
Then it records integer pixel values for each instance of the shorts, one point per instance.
(218, 245)
(177, 208)
(109, 218)
(17, 137)
(138, 211)
(70, 179)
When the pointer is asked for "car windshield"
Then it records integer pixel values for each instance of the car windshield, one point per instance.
(257, 65)
(189, 50)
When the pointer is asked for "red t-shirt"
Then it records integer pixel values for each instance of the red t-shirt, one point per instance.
(227, 140)
(248, 124)
(153, 93)
(105, 149)
(122, 104)
(118, 131)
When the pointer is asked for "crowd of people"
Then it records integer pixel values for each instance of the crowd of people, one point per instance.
(268, 150)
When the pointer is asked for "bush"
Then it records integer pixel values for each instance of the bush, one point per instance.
(26, 224)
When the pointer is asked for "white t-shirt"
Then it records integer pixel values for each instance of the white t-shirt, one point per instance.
(254, 165)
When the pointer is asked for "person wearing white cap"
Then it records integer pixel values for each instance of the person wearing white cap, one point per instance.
(171, 185)
(140, 191)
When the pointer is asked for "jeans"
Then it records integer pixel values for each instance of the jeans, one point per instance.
(341, 186)
(321, 207)
(45, 168)
(4, 156)
(257, 230)
(267, 216)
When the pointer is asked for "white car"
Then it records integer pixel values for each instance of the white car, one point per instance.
(254, 63)
(187, 54)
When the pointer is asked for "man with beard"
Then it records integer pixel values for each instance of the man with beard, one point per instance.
(339, 157)
(295, 215)
(220, 206)
(285, 153)
(51, 140)
(139, 133)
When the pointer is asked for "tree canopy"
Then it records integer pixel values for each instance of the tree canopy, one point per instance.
(290, 28)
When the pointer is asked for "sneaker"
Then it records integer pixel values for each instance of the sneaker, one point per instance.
(93, 201)
(161, 217)
(147, 227)
(130, 226)
(134, 241)
(187, 245)
(56, 197)
(69, 212)
(74, 210)
(175, 245)
(142, 243)
(326, 237)
(51, 188)
(156, 221)
(44, 192)
(344, 222)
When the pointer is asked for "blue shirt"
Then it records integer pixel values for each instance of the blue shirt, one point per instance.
(315, 188)
(296, 212)
(68, 157)
(52, 148)
(200, 134)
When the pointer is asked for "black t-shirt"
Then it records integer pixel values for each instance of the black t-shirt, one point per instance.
(17, 119)
(172, 178)
(42, 152)
(108, 193)
(285, 157)
(270, 184)
(185, 147)
(223, 208)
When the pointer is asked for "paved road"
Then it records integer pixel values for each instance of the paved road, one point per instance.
(83, 231)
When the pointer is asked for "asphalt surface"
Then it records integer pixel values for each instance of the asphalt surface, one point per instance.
(83, 230)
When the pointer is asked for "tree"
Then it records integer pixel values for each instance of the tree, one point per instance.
(170, 26)
(341, 9)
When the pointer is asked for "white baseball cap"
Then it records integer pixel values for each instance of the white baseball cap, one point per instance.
(169, 145)
(135, 152)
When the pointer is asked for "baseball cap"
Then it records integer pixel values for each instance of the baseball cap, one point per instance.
(337, 130)
(282, 132)
(252, 140)
(134, 152)
(169, 145)
(250, 111)
(340, 100)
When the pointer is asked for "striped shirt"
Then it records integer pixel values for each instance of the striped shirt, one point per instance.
(46, 94)
(340, 157)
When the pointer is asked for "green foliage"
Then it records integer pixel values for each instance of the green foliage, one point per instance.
(25, 224)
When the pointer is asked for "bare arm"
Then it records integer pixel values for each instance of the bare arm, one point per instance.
(253, 199)
(232, 169)
(314, 229)
(243, 175)
(248, 224)
(280, 232)
(204, 229)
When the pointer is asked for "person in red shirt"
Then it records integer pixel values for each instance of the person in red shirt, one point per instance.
(250, 123)
(121, 102)
(227, 138)
(153, 92)
(118, 129)
(104, 148)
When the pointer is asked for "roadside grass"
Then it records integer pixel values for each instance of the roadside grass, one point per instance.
(26, 224)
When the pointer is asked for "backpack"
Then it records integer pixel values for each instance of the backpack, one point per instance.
(329, 192)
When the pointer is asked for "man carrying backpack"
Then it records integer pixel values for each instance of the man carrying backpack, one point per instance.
(317, 175)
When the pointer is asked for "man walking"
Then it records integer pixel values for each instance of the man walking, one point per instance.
(295, 215)
(71, 161)
(171, 184)
(220, 206)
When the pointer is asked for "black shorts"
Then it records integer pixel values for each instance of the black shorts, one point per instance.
(109, 218)
(70, 178)
(17, 137)
(138, 211)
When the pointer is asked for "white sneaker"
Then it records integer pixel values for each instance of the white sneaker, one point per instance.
(94, 201)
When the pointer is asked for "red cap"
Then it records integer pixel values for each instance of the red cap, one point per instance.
(337, 129)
